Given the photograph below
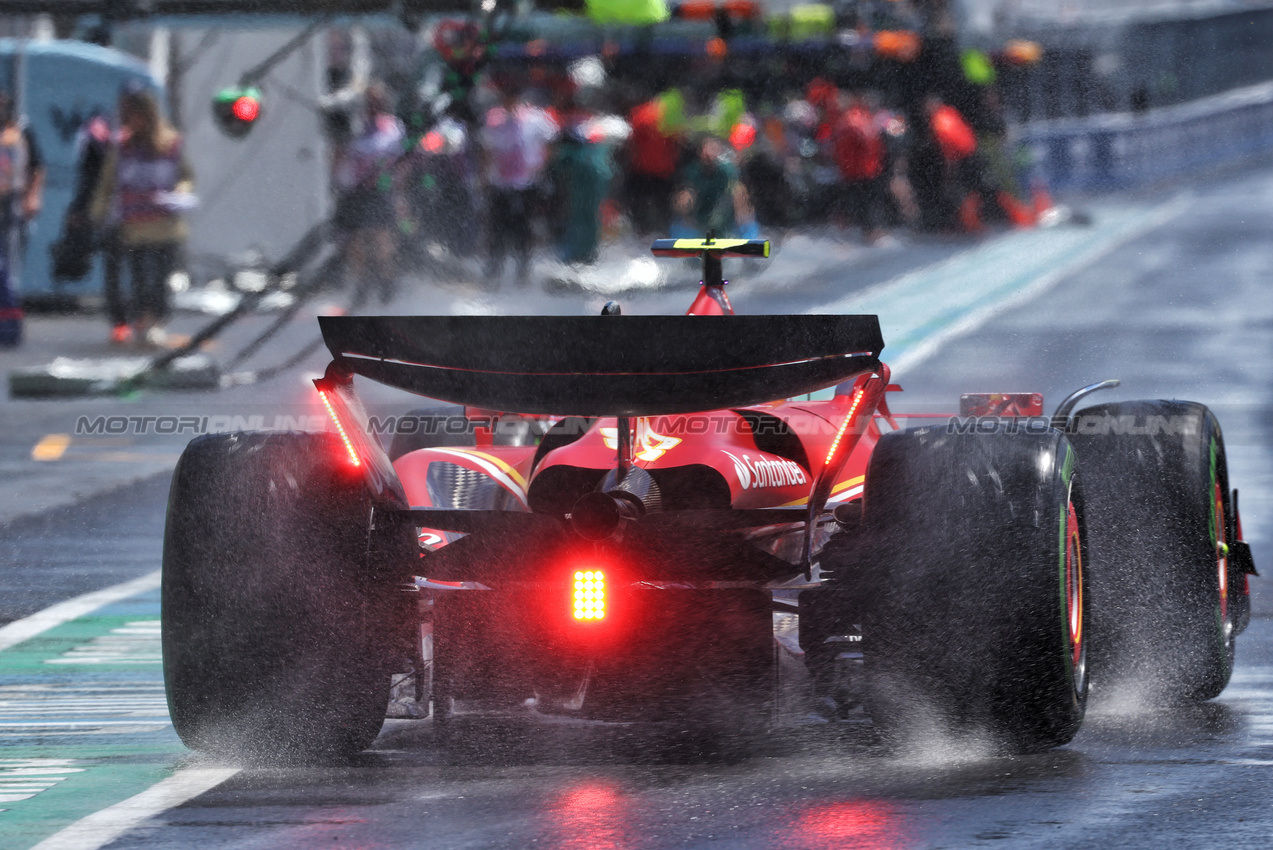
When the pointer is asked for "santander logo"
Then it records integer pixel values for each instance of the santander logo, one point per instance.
(755, 474)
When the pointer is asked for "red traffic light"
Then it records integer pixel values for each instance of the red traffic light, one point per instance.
(237, 110)
(246, 108)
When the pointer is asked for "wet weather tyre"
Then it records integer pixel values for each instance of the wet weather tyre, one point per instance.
(274, 616)
(973, 621)
(1164, 619)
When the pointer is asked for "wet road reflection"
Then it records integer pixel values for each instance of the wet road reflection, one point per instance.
(1137, 776)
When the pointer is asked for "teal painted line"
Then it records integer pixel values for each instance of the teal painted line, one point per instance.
(83, 720)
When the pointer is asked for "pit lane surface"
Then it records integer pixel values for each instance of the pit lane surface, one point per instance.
(1179, 310)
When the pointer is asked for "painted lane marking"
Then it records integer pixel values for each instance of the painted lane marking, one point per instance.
(134, 643)
(111, 714)
(103, 827)
(51, 447)
(72, 609)
(923, 310)
(22, 779)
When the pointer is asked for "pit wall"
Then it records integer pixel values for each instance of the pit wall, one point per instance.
(1124, 150)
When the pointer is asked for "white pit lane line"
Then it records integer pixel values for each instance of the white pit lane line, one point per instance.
(72, 609)
(104, 826)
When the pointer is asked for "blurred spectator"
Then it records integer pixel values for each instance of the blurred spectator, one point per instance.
(439, 187)
(993, 171)
(146, 185)
(21, 189)
(682, 225)
(582, 171)
(958, 144)
(653, 156)
(80, 240)
(858, 150)
(744, 214)
(824, 176)
(762, 172)
(712, 176)
(366, 208)
(515, 140)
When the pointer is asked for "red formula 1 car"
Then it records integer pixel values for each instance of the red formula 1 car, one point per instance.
(618, 547)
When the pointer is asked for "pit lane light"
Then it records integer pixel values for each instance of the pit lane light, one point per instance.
(237, 109)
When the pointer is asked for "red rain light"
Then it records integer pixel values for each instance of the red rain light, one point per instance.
(246, 109)
(349, 446)
(848, 421)
(590, 595)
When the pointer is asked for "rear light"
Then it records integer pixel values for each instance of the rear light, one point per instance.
(344, 436)
(590, 595)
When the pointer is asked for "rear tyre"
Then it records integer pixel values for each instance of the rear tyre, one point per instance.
(973, 622)
(277, 620)
(1164, 620)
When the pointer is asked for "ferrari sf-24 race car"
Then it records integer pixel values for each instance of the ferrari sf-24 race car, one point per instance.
(609, 525)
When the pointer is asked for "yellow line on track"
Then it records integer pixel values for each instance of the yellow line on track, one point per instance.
(51, 447)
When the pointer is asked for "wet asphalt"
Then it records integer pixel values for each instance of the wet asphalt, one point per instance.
(1181, 311)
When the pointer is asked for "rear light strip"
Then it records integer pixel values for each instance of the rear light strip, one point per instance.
(344, 436)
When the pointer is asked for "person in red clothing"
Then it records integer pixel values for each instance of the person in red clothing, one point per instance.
(858, 149)
(958, 146)
(654, 155)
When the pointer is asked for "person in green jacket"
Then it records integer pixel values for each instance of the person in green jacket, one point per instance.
(712, 177)
(582, 170)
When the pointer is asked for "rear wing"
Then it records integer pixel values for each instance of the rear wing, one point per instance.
(606, 365)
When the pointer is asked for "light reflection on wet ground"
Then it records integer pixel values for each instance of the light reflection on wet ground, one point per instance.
(1137, 776)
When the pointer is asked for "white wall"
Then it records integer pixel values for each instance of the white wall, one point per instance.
(265, 190)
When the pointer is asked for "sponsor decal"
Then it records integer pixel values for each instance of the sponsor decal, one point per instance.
(649, 444)
(760, 473)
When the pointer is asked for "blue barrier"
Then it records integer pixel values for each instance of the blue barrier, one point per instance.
(1122, 150)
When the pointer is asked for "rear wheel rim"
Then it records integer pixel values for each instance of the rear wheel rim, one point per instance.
(1074, 598)
(1221, 547)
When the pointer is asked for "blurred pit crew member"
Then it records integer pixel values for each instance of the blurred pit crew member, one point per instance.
(711, 177)
(146, 186)
(80, 240)
(366, 208)
(21, 189)
(958, 146)
(653, 155)
(858, 150)
(515, 140)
